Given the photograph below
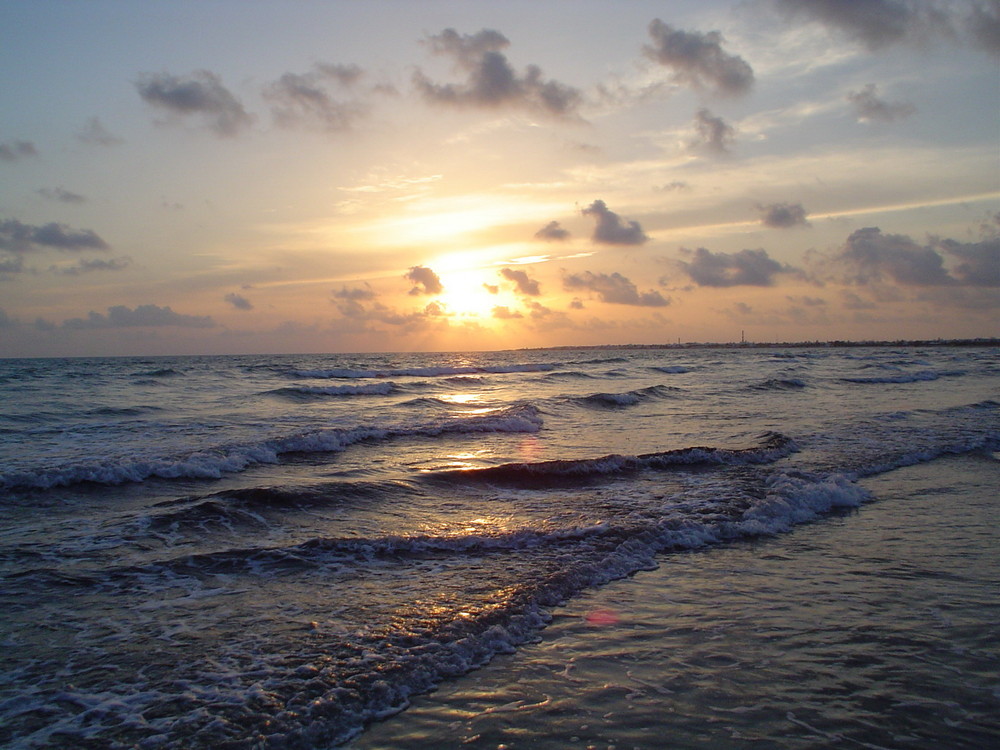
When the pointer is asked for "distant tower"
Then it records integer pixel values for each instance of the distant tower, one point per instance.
(743, 338)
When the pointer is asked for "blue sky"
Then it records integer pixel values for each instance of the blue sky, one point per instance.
(228, 176)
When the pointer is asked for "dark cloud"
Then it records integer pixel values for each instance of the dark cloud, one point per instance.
(614, 289)
(345, 75)
(611, 229)
(87, 265)
(870, 256)
(783, 215)
(983, 25)
(878, 24)
(239, 301)
(200, 93)
(869, 107)
(979, 262)
(62, 195)
(675, 186)
(9, 265)
(142, 316)
(427, 282)
(95, 134)
(357, 293)
(552, 232)
(524, 284)
(490, 79)
(305, 98)
(17, 237)
(14, 150)
(714, 135)
(698, 59)
(745, 268)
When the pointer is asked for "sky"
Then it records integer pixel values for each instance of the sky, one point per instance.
(246, 176)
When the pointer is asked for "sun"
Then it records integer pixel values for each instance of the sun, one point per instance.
(465, 293)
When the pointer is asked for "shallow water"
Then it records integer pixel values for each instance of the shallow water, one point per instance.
(278, 551)
(876, 628)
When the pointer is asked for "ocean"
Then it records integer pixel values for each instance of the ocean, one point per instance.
(615, 548)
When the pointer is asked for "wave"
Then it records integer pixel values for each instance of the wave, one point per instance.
(779, 384)
(300, 392)
(423, 372)
(122, 411)
(250, 505)
(600, 361)
(213, 464)
(570, 375)
(671, 369)
(465, 380)
(325, 688)
(912, 377)
(773, 446)
(164, 372)
(629, 398)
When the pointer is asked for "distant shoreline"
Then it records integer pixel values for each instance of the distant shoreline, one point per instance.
(778, 344)
(977, 342)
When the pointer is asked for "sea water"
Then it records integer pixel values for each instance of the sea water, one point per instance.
(279, 551)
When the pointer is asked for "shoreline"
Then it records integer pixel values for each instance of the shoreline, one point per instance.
(870, 627)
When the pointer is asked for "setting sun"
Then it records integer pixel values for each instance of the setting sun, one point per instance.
(465, 293)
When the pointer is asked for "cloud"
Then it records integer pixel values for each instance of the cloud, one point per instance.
(304, 98)
(614, 289)
(870, 256)
(675, 186)
(983, 25)
(357, 293)
(979, 262)
(142, 316)
(524, 284)
(745, 268)
(698, 59)
(425, 278)
(17, 237)
(238, 301)
(552, 232)
(869, 107)
(611, 229)
(379, 313)
(95, 134)
(492, 288)
(505, 313)
(61, 195)
(490, 80)
(16, 150)
(10, 265)
(877, 24)
(714, 135)
(87, 265)
(783, 215)
(200, 93)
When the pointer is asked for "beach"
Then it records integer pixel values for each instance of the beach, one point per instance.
(872, 628)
